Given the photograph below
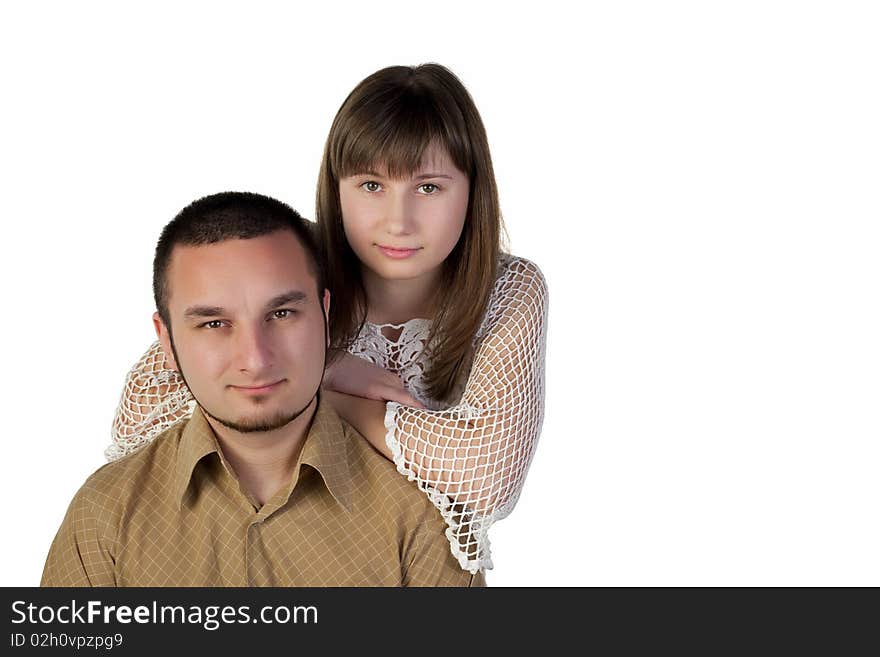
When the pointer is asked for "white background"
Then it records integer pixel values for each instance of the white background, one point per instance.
(697, 180)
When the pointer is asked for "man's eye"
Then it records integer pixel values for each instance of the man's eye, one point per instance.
(213, 324)
(428, 189)
(371, 186)
(284, 313)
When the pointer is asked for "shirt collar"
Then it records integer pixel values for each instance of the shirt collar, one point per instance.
(326, 449)
(197, 440)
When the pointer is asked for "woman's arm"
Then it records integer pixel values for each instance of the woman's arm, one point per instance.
(358, 389)
(359, 378)
(365, 415)
(153, 399)
(478, 451)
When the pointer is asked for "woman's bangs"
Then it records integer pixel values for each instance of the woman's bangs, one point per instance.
(394, 143)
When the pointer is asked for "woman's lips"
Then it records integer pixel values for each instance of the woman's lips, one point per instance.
(396, 254)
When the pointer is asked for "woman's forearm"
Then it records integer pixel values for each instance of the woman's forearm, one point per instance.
(457, 457)
(365, 415)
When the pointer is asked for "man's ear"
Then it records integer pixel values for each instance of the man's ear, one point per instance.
(165, 341)
(327, 314)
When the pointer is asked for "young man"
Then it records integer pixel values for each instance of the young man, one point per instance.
(265, 485)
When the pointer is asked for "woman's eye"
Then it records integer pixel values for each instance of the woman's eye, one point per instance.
(428, 188)
(371, 186)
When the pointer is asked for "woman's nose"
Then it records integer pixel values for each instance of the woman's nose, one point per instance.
(399, 219)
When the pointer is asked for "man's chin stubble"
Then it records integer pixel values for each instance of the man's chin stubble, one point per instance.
(260, 425)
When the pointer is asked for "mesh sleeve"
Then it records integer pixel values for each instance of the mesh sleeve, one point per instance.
(152, 400)
(471, 459)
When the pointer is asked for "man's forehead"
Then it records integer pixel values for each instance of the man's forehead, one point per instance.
(265, 266)
(279, 248)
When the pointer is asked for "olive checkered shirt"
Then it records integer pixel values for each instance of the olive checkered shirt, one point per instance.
(173, 514)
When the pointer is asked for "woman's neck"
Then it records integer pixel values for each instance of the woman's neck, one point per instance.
(398, 301)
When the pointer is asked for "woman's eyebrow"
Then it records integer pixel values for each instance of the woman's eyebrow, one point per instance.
(421, 176)
(432, 175)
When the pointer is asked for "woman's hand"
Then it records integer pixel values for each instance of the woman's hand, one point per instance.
(357, 377)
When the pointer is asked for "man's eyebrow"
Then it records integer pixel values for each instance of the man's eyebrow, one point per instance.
(293, 296)
(203, 311)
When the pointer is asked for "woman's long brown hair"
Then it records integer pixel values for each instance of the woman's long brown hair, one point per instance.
(388, 121)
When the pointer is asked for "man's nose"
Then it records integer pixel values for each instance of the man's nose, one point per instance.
(254, 349)
(399, 219)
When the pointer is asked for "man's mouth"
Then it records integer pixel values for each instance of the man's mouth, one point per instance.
(259, 388)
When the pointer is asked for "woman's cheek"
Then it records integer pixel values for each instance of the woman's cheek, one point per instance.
(357, 239)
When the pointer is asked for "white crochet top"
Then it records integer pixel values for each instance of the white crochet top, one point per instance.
(470, 458)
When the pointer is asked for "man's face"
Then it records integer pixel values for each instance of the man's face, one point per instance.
(249, 334)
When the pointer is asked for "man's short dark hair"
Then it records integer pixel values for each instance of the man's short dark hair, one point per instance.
(228, 216)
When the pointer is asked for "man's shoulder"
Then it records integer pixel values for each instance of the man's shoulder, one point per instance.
(114, 483)
(391, 498)
(379, 478)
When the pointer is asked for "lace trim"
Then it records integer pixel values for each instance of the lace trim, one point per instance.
(459, 526)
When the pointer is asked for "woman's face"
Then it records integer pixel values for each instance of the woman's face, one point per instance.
(404, 228)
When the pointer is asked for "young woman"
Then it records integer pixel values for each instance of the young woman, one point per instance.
(439, 335)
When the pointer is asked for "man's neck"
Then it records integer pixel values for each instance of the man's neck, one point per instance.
(264, 461)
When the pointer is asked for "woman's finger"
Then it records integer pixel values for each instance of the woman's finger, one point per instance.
(402, 397)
